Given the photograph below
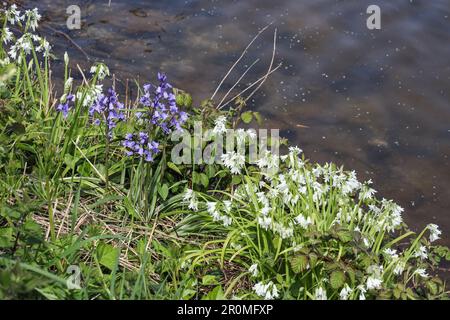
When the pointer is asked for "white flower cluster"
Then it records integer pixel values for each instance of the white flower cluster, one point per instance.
(234, 161)
(375, 278)
(220, 125)
(27, 41)
(33, 18)
(89, 95)
(13, 15)
(434, 232)
(191, 198)
(30, 17)
(219, 216)
(316, 198)
(303, 193)
(345, 292)
(268, 291)
(101, 69)
(320, 294)
(421, 252)
(253, 270)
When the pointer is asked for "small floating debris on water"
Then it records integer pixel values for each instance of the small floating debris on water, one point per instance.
(379, 142)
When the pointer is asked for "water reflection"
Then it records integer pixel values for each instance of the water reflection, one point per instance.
(374, 101)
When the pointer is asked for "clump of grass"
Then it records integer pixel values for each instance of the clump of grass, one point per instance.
(86, 184)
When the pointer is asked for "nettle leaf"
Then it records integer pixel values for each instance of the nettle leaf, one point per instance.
(247, 117)
(187, 100)
(337, 279)
(313, 258)
(70, 160)
(385, 295)
(10, 213)
(397, 293)
(345, 236)
(432, 287)
(299, 263)
(179, 99)
(279, 278)
(366, 261)
(351, 274)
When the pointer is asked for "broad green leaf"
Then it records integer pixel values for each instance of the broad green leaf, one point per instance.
(337, 279)
(107, 255)
(299, 263)
(204, 180)
(163, 191)
(247, 117)
(345, 236)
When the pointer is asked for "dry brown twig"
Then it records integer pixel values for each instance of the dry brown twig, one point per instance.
(258, 83)
(239, 59)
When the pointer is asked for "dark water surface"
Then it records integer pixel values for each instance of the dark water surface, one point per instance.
(374, 101)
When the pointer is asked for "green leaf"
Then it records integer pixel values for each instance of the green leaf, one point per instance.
(345, 236)
(195, 178)
(236, 180)
(163, 191)
(337, 279)
(204, 180)
(215, 294)
(10, 213)
(6, 237)
(210, 171)
(180, 99)
(247, 117)
(209, 280)
(313, 260)
(107, 255)
(279, 278)
(258, 118)
(70, 161)
(187, 100)
(173, 166)
(432, 287)
(352, 275)
(299, 263)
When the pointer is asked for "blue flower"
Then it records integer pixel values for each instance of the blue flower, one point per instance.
(107, 108)
(66, 106)
(141, 146)
(162, 107)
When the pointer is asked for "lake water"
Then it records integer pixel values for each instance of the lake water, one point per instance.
(374, 101)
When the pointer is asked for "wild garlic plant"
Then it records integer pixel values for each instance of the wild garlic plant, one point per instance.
(315, 232)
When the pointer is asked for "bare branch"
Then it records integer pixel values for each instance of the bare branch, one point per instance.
(239, 59)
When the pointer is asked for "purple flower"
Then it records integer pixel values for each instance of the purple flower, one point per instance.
(107, 108)
(162, 107)
(141, 146)
(66, 106)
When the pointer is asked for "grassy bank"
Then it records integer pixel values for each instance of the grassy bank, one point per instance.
(92, 205)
